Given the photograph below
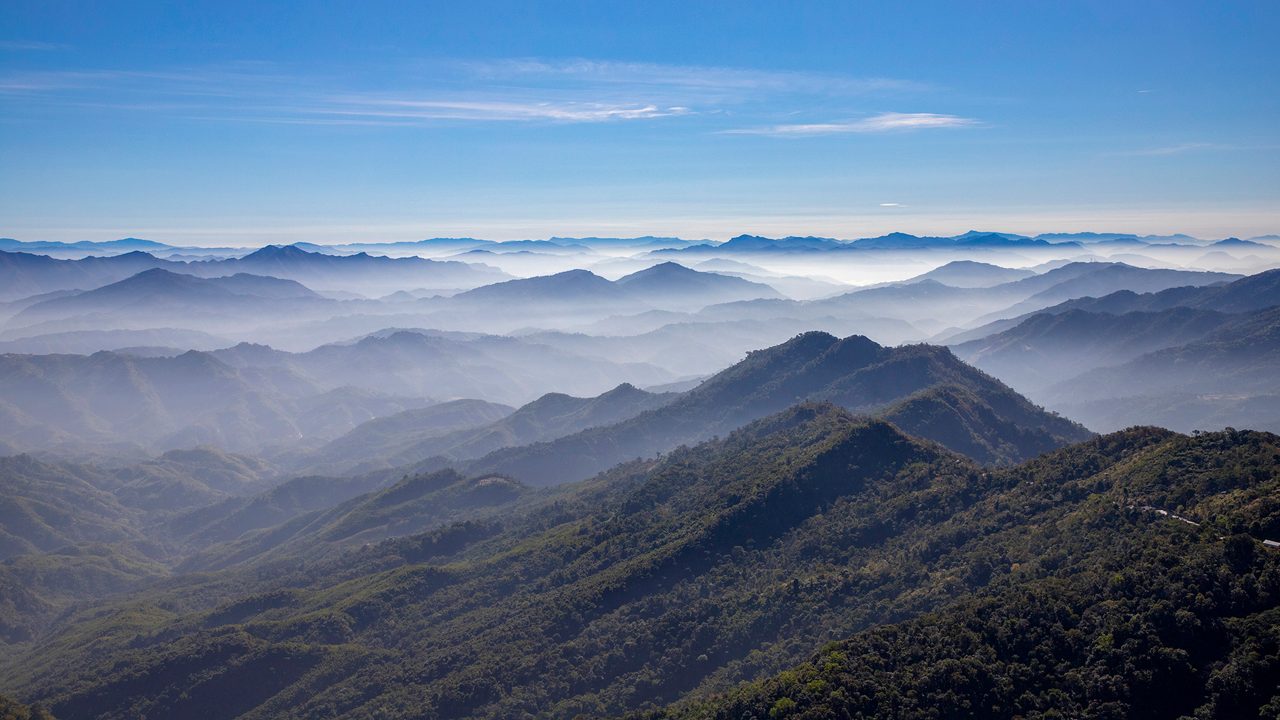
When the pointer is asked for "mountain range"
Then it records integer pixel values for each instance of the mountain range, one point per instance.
(926, 388)
(807, 531)
(252, 397)
(405, 439)
(1188, 358)
(1225, 377)
(29, 274)
(641, 478)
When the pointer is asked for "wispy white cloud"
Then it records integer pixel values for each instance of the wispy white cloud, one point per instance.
(494, 110)
(884, 122)
(526, 90)
(250, 92)
(892, 205)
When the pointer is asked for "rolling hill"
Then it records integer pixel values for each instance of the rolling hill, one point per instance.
(1249, 293)
(172, 402)
(1225, 378)
(1046, 348)
(732, 561)
(971, 274)
(855, 373)
(675, 286)
(404, 439)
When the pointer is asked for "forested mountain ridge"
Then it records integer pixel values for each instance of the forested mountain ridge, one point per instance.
(12, 710)
(719, 563)
(1116, 609)
(1226, 376)
(402, 439)
(1248, 294)
(853, 372)
(1046, 348)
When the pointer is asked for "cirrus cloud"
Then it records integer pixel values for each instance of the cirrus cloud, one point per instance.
(444, 109)
(884, 122)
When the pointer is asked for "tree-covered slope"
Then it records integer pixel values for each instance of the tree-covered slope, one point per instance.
(853, 372)
(404, 437)
(1114, 608)
(414, 436)
(414, 504)
(1047, 348)
(44, 506)
(13, 710)
(673, 579)
(1229, 377)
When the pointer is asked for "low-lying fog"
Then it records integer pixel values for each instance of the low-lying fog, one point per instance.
(136, 346)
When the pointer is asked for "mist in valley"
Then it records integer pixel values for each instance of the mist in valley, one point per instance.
(647, 361)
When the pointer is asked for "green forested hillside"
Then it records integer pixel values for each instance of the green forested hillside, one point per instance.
(44, 506)
(1113, 611)
(854, 372)
(1228, 377)
(395, 439)
(414, 436)
(13, 710)
(671, 580)
(412, 505)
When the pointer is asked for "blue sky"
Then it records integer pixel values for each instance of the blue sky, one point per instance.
(246, 123)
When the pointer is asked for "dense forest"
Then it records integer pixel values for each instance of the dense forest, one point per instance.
(1124, 614)
(901, 577)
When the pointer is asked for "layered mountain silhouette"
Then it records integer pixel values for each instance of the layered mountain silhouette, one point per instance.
(971, 239)
(673, 285)
(1226, 377)
(1253, 292)
(252, 397)
(897, 241)
(1117, 276)
(394, 440)
(1048, 348)
(855, 373)
(1188, 358)
(728, 561)
(25, 274)
(562, 289)
(108, 399)
(930, 302)
(416, 435)
(161, 291)
(28, 274)
(971, 273)
(160, 340)
(348, 481)
(664, 285)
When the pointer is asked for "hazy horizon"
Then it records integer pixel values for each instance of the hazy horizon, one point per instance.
(184, 239)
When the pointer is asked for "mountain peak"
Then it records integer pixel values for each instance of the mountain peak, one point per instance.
(791, 242)
(623, 390)
(673, 267)
(153, 278)
(278, 252)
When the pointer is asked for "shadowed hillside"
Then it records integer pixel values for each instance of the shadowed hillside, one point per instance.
(854, 373)
(735, 560)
